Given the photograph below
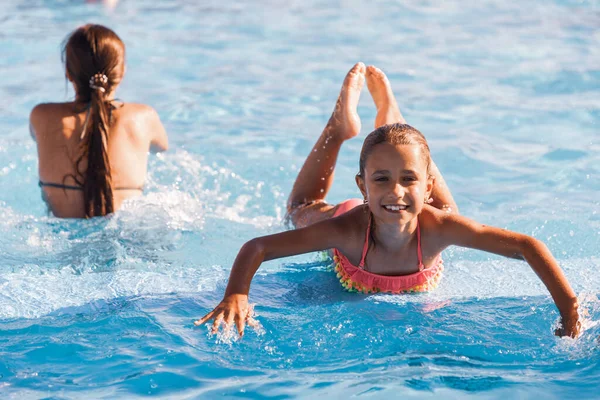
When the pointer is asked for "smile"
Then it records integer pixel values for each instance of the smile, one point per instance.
(396, 207)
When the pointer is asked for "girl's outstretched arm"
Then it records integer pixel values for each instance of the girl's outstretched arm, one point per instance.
(319, 236)
(461, 231)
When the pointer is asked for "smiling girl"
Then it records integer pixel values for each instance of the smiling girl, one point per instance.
(391, 240)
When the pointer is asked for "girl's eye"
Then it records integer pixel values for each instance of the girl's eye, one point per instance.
(381, 179)
(409, 179)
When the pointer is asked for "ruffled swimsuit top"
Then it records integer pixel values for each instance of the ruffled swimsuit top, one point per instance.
(357, 279)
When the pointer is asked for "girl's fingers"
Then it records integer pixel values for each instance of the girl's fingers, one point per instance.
(205, 318)
(252, 322)
(217, 323)
(229, 319)
(249, 317)
(239, 323)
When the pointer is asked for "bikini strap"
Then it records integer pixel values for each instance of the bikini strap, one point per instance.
(366, 245)
(58, 185)
(419, 252)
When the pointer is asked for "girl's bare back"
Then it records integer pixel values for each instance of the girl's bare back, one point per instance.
(57, 129)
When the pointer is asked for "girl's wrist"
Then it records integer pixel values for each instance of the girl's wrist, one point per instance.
(570, 310)
(235, 291)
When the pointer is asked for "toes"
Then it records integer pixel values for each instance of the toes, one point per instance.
(358, 68)
(374, 74)
(356, 76)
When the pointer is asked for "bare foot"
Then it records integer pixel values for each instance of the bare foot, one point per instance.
(381, 91)
(344, 122)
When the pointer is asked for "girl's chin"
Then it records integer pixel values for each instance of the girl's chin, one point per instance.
(401, 217)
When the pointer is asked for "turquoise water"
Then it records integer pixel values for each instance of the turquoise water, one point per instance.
(508, 96)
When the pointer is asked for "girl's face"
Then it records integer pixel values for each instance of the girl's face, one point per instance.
(396, 182)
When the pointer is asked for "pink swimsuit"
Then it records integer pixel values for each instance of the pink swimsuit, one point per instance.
(357, 279)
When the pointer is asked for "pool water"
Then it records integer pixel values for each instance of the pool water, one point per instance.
(508, 96)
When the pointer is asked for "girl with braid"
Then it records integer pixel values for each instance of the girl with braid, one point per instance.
(93, 151)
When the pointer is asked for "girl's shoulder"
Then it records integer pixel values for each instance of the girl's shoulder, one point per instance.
(136, 111)
(50, 109)
(454, 229)
(138, 108)
(436, 222)
(433, 217)
(354, 222)
(347, 232)
(46, 117)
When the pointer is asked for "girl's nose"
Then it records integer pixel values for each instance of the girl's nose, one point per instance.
(398, 190)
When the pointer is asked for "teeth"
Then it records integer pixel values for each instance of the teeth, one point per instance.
(395, 208)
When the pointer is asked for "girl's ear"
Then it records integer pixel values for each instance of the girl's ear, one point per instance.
(360, 182)
(430, 185)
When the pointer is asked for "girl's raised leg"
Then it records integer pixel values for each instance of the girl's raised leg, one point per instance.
(306, 204)
(389, 113)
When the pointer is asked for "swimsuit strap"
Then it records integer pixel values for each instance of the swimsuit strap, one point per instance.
(120, 103)
(72, 187)
(59, 186)
(366, 246)
(419, 252)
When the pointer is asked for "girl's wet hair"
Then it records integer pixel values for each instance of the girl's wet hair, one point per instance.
(394, 134)
(94, 58)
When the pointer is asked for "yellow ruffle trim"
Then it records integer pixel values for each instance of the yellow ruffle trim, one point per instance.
(352, 286)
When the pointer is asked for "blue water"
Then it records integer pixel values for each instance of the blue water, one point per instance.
(509, 97)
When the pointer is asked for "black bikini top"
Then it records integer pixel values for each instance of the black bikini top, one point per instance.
(73, 187)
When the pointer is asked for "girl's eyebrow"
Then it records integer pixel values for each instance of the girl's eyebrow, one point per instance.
(381, 171)
(387, 171)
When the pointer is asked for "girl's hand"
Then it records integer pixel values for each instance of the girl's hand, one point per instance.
(233, 308)
(571, 326)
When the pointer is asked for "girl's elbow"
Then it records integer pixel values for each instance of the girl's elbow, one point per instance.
(164, 143)
(159, 146)
(254, 247)
(529, 245)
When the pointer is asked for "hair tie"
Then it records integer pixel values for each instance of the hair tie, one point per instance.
(98, 81)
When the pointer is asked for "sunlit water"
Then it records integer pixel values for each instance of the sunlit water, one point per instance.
(508, 95)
